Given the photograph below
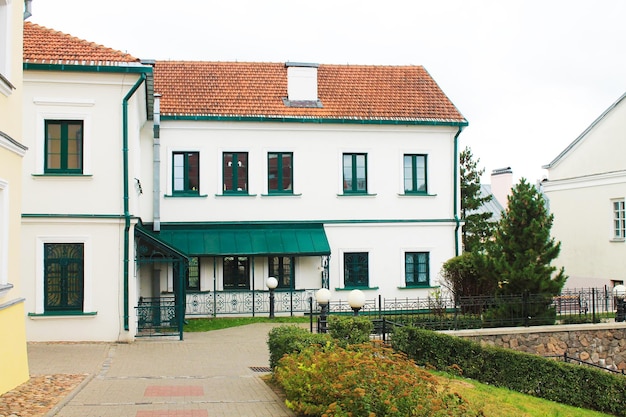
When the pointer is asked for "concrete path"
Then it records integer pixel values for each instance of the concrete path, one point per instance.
(209, 374)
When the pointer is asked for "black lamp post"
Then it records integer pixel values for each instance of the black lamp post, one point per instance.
(322, 296)
(271, 283)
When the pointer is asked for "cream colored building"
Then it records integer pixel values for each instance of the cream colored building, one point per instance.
(13, 355)
(586, 189)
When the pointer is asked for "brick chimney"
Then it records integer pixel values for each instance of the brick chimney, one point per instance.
(502, 184)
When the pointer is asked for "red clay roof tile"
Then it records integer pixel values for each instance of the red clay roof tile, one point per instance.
(359, 92)
(47, 46)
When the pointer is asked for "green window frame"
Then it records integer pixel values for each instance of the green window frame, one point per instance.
(417, 269)
(235, 172)
(193, 274)
(236, 273)
(282, 268)
(415, 174)
(63, 147)
(63, 277)
(619, 219)
(186, 173)
(355, 173)
(280, 172)
(356, 269)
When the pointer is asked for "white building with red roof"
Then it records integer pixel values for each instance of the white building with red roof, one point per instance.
(183, 204)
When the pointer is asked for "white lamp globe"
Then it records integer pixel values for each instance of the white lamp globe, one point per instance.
(356, 299)
(322, 296)
(619, 291)
(271, 283)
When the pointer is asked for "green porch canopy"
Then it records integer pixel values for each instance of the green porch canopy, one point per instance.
(301, 239)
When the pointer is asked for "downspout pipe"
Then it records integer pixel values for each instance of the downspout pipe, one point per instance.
(457, 220)
(125, 179)
(156, 166)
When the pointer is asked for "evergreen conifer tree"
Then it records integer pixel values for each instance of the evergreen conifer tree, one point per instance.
(522, 251)
(477, 228)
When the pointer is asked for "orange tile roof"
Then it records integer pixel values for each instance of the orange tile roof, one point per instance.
(357, 92)
(47, 46)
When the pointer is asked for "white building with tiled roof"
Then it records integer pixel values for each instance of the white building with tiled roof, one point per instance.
(336, 176)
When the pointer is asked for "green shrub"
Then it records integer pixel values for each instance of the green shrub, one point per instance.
(350, 329)
(575, 385)
(287, 339)
(363, 380)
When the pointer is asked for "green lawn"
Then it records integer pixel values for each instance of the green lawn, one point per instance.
(205, 325)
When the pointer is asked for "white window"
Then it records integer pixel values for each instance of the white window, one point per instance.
(5, 47)
(4, 233)
(619, 219)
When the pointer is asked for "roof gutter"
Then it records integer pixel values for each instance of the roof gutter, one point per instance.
(125, 179)
(456, 191)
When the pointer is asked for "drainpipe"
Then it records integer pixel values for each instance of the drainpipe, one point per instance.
(156, 166)
(125, 179)
(456, 192)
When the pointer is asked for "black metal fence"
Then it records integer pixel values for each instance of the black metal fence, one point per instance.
(440, 312)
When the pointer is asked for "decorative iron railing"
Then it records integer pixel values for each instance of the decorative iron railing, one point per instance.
(209, 304)
(157, 317)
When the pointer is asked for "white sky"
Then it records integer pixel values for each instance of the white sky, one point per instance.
(528, 75)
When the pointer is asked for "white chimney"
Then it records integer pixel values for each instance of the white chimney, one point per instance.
(502, 184)
(302, 85)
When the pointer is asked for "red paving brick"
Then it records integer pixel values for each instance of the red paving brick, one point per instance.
(173, 391)
(173, 413)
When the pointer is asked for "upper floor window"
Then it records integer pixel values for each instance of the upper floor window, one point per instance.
(5, 47)
(619, 219)
(63, 276)
(415, 174)
(193, 274)
(4, 233)
(186, 172)
(281, 268)
(64, 147)
(416, 269)
(280, 172)
(355, 269)
(355, 173)
(235, 175)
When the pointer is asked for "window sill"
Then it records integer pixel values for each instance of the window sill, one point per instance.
(62, 314)
(235, 195)
(417, 195)
(617, 240)
(6, 87)
(60, 174)
(356, 195)
(418, 287)
(356, 288)
(5, 288)
(281, 195)
(185, 195)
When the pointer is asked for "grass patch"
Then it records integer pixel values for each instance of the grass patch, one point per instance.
(217, 323)
(501, 402)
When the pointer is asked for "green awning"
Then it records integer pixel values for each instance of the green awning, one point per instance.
(247, 239)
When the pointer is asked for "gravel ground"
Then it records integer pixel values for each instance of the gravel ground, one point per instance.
(37, 396)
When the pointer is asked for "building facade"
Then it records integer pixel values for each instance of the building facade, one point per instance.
(14, 359)
(586, 188)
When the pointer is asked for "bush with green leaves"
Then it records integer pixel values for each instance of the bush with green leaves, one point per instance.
(283, 340)
(363, 380)
(579, 386)
(350, 329)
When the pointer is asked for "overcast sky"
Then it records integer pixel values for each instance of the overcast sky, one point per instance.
(528, 75)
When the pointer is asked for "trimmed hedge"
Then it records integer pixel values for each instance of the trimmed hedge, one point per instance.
(575, 385)
(349, 330)
(283, 340)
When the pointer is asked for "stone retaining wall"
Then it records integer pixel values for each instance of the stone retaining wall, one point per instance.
(602, 344)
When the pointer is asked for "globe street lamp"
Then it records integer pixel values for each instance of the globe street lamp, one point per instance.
(271, 283)
(322, 296)
(619, 292)
(356, 299)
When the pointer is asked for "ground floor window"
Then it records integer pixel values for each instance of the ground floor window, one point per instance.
(236, 273)
(281, 268)
(416, 269)
(619, 219)
(355, 269)
(193, 274)
(63, 276)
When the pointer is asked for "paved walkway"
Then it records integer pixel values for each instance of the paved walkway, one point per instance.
(208, 374)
